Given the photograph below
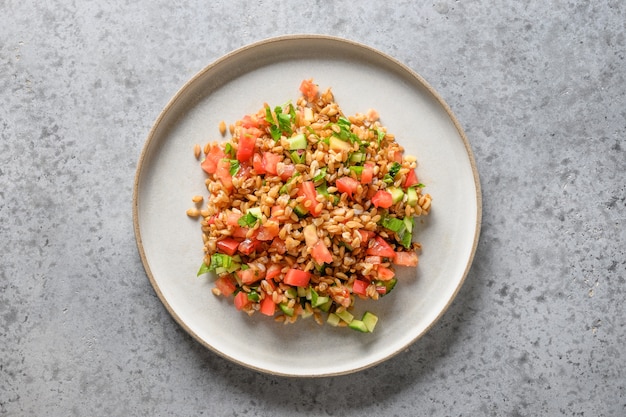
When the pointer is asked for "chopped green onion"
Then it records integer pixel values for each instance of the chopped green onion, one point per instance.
(381, 135)
(297, 157)
(204, 268)
(321, 174)
(229, 150)
(220, 260)
(254, 296)
(358, 170)
(234, 166)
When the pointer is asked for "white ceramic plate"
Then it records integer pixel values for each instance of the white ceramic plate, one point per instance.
(168, 176)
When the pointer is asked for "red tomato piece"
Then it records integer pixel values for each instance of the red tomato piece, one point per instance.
(273, 271)
(297, 278)
(406, 259)
(240, 232)
(366, 236)
(241, 300)
(381, 248)
(288, 172)
(228, 246)
(382, 199)
(249, 245)
(226, 285)
(360, 287)
(257, 164)
(247, 142)
(222, 173)
(249, 276)
(321, 254)
(307, 189)
(278, 246)
(216, 154)
(232, 218)
(374, 260)
(368, 174)
(384, 273)
(411, 179)
(309, 89)
(397, 156)
(267, 306)
(268, 231)
(270, 161)
(347, 185)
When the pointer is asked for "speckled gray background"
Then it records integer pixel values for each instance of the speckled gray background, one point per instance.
(539, 326)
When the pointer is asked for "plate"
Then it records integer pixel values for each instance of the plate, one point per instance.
(168, 175)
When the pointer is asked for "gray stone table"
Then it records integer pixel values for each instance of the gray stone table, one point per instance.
(538, 329)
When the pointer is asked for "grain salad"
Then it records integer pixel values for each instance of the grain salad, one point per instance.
(308, 210)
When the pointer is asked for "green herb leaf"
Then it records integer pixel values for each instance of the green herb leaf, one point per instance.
(248, 220)
(229, 150)
(381, 135)
(320, 175)
(234, 167)
(220, 260)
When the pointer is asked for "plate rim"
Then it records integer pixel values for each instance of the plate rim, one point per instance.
(295, 38)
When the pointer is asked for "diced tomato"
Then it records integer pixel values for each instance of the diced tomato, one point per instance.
(241, 300)
(244, 170)
(307, 189)
(308, 89)
(406, 259)
(366, 236)
(247, 141)
(228, 246)
(397, 156)
(321, 254)
(382, 199)
(222, 173)
(270, 161)
(278, 245)
(249, 245)
(273, 271)
(257, 164)
(411, 179)
(374, 260)
(368, 174)
(268, 231)
(384, 273)
(360, 287)
(347, 185)
(267, 306)
(232, 218)
(226, 285)
(240, 232)
(216, 154)
(381, 248)
(381, 289)
(255, 121)
(297, 278)
(250, 275)
(288, 172)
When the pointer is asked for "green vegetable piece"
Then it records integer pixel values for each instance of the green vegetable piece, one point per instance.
(297, 157)
(346, 316)
(370, 320)
(381, 135)
(300, 210)
(333, 319)
(358, 325)
(220, 260)
(396, 194)
(297, 142)
(393, 224)
(286, 309)
(411, 194)
(254, 296)
(358, 170)
(320, 175)
(389, 285)
(248, 220)
(204, 268)
(357, 157)
(317, 300)
(326, 306)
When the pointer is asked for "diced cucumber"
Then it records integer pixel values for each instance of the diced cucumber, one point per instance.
(326, 306)
(255, 211)
(301, 292)
(357, 157)
(297, 142)
(333, 319)
(317, 300)
(339, 145)
(396, 194)
(358, 325)
(291, 292)
(411, 194)
(286, 309)
(370, 320)
(296, 157)
(389, 285)
(345, 315)
(300, 210)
